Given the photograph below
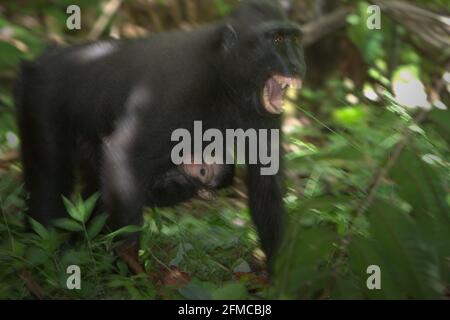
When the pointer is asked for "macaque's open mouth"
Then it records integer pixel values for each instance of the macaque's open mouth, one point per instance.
(275, 90)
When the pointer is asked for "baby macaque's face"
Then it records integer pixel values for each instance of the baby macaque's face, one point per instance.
(207, 174)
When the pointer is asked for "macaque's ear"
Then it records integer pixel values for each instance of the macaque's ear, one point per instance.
(229, 38)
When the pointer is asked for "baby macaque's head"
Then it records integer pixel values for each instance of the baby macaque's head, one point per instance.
(209, 176)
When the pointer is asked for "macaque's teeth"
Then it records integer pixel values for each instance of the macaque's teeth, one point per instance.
(294, 83)
(284, 83)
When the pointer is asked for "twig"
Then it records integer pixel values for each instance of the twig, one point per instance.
(155, 17)
(160, 262)
(175, 11)
(109, 11)
(316, 30)
(191, 11)
(2, 209)
(31, 285)
(8, 158)
(431, 27)
(383, 171)
(406, 136)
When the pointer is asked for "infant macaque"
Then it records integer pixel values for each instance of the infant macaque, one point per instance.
(207, 174)
(189, 180)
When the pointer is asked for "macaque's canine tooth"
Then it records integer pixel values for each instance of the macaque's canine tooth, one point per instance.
(284, 83)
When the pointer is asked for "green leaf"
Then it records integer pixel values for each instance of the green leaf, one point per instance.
(124, 230)
(68, 224)
(9, 56)
(39, 229)
(73, 210)
(230, 291)
(183, 248)
(97, 225)
(350, 116)
(222, 7)
(420, 185)
(88, 206)
(410, 263)
(193, 291)
(441, 122)
(36, 256)
(298, 265)
(370, 42)
(242, 266)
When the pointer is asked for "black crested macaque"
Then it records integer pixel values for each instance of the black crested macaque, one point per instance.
(122, 99)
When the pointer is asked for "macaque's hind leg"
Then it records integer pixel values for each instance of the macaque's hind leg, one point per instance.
(47, 170)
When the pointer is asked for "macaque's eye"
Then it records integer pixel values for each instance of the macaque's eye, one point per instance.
(278, 38)
(206, 174)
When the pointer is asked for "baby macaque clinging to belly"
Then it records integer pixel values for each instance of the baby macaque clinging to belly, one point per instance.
(188, 181)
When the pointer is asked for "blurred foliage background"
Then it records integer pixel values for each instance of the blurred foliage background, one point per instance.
(367, 162)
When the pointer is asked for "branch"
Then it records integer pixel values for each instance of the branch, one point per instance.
(109, 10)
(32, 285)
(431, 27)
(383, 171)
(314, 31)
(10, 156)
(406, 137)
